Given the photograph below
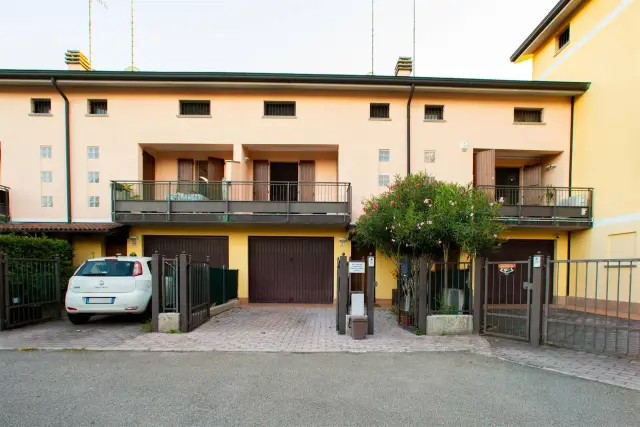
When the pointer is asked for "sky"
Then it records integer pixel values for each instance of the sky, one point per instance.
(454, 38)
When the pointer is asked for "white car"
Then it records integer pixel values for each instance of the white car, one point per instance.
(112, 285)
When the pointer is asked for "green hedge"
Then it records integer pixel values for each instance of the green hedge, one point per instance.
(40, 248)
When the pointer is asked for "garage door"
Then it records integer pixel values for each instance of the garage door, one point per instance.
(291, 270)
(217, 248)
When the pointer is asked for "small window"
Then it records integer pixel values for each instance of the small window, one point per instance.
(195, 108)
(563, 38)
(429, 156)
(93, 152)
(46, 177)
(379, 111)
(40, 106)
(383, 156)
(94, 177)
(527, 115)
(434, 112)
(98, 107)
(46, 201)
(279, 109)
(45, 151)
(383, 180)
(94, 201)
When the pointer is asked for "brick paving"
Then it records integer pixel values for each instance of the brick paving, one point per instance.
(311, 330)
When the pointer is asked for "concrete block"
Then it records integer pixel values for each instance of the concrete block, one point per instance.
(450, 325)
(215, 310)
(168, 321)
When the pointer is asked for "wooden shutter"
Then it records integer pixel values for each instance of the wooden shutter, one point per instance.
(307, 180)
(185, 174)
(532, 177)
(260, 178)
(215, 174)
(484, 166)
(149, 174)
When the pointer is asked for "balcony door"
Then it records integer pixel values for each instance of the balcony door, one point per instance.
(148, 175)
(484, 171)
(307, 180)
(283, 182)
(532, 177)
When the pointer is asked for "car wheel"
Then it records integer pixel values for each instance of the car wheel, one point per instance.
(79, 319)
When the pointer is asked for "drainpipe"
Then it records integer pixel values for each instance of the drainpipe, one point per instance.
(413, 88)
(67, 147)
(573, 100)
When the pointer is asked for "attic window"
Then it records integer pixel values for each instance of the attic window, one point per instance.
(563, 38)
(98, 107)
(279, 109)
(434, 112)
(41, 106)
(379, 111)
(527, 115)
(195, 108)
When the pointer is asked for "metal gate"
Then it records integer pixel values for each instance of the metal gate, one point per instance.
(507, 300)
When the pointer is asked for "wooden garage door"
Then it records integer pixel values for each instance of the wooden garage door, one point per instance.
(217, 248)
(291, 270)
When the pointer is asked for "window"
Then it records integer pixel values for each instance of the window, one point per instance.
(94, 201)
(527, 115)
(98, 107)
(383, 180)
(279, 109)
(46, 201)
(46, 177)
(563, 38)
(94, 177)
(429, 156)
(383, 155)
(106, 268)
(434, 112)
(195, 108)
(379, 111)
(93, 152)
(45, 151)
(40, 106)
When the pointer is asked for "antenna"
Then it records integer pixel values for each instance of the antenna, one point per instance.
(414, 38)
(372, 35)
(132, 36)
(103, 3)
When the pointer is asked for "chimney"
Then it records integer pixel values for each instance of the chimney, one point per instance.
(404, 66)
(76, 60)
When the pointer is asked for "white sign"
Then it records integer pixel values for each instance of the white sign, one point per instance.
(537, 260)
(372, 261)
(356, 267)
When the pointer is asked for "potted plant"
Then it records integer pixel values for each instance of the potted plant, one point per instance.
(123, 192)
(549, 195)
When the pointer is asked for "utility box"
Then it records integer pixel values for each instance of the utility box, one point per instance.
(358, 327)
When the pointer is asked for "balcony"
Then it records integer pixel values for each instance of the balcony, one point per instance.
(243, 202)
(558, 207)
(4, 204)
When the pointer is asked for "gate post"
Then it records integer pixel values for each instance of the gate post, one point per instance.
(371, 271)
(3, 286)
(58, 284)
(157, 279)
(343, 294)
(536, 304)
(207, 288)
(183, 285)
(478, 294)
(423, 303)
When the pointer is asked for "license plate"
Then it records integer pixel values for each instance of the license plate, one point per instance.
(108, 300)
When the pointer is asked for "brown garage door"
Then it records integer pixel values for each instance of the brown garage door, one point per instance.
(217, 248)
(291, 269)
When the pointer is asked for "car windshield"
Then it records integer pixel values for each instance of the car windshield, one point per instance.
(106, 268)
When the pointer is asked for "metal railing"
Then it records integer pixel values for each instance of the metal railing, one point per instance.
(30, 291)
(450, 288)
(593, 305)
(169, 298)
(573, 203)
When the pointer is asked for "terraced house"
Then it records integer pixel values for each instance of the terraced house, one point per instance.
(265, 173)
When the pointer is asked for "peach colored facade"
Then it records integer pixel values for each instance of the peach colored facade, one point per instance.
(331, 126)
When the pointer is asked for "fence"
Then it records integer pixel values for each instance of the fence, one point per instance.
(189, 289)
(30, 291)
(593, 305)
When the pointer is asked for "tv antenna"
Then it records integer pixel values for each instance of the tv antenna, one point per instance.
(103, 3)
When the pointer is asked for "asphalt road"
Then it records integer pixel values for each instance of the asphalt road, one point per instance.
(214, 389)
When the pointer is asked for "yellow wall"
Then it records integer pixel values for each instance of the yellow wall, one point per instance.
(239, 243)
(87, 247)
(604, 51)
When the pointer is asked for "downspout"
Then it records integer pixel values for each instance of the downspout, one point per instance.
(413, 88)
(573, 100)
(67, 145)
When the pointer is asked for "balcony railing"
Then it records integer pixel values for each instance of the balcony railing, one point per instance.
(557, 206)
(4, 204)
(231, 201)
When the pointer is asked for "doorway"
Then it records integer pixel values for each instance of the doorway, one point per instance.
(284, 182)
(508, 185)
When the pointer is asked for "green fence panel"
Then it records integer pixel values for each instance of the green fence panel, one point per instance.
(224, 285)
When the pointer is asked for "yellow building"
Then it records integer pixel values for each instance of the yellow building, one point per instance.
(264, 173)
(598, 41)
